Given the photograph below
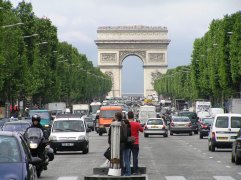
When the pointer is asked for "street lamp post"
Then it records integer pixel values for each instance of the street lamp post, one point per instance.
(11, 25)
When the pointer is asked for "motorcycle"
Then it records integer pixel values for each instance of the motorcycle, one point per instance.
(39, 147)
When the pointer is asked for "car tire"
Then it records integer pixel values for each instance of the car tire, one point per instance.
(190, 133)
(145, 135)
(165, 135)
(55, 151)
(100, 133)
(171, 133)
(237, 159)
(232, 158)
(196, 132)
(86, 150)
(201, 136)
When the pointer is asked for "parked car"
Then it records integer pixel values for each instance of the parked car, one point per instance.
(16, 126)
(155, 126)
(236, 149)
(204, 128)
(90, 122)
(193, 117)
(224, 131)
(181, 124)
(69, 132)
(16, 161)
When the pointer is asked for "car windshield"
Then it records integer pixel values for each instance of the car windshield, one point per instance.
(235, 122)
(222, 122)
(107, 113)
(181, 119)
(15, 127)
(154, 122)
(9, 150)
(208, 121)
(88, 119)
(68, 125)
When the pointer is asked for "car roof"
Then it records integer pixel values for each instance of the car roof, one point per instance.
(18, 122)
(69, 117)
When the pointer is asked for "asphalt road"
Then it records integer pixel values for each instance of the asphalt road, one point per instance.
(178, 157)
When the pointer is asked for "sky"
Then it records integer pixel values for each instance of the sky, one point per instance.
(77, 22)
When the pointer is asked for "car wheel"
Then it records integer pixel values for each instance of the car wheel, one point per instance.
(86, 150)
(212, 147)
(237, 159)
(201, 136)
(190, 133)
(165, 135)
(100, 133)
(171, 133)
(232, 158)
(145, 135)
(196, 132)
(55, 151)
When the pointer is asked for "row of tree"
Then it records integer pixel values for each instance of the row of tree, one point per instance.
(215, 69)
(35, 66)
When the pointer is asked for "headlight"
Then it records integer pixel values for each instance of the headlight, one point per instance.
(52, 138)
(33, 145)
(46, 125)
(81, 138)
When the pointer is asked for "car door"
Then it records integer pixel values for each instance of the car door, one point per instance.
(31, 169)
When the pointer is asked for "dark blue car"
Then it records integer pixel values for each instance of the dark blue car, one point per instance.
(16, 161)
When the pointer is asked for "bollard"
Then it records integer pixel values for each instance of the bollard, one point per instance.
(115, 169)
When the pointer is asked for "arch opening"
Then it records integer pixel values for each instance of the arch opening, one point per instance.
(132, 76)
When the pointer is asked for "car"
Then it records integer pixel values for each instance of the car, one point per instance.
(2, 122)
(16, 161)
(223, 131)
(236, 149)
(17, 126)
(193, 117)
(155, 126)
(181, 124)
(204, 128)
(69, 132)
(90, 122)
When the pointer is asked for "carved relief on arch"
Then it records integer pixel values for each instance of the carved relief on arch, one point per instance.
(124, 54)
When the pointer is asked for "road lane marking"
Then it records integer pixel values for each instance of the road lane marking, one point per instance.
(204, 153)
(223, 178)
(210, 157)
(68, 178)
(239, 173)
(218, 161)
(199, 150)
(175, 178)
(227, 166)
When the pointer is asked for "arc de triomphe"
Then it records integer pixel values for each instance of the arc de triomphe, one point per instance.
(118, 42)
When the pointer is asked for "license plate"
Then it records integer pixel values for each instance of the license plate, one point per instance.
(154, 126)
(67, 144)
(222, 138)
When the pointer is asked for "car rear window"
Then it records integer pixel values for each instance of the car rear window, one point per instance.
(222, 122)
(235, 122)
(183, 119)
(154, 122)
(208, 121)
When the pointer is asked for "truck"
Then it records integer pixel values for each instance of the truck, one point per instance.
(56, 108)
(145, 113)
(234, 105)
(81, 109)
(202, 106)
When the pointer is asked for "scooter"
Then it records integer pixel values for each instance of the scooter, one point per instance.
(39, 147)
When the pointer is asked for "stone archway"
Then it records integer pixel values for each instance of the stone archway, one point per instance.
(118, 42)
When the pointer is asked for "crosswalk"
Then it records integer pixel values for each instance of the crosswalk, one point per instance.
(166, 178)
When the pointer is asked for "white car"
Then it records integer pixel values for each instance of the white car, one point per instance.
(69, 133)
(155, 126)
(224, 131)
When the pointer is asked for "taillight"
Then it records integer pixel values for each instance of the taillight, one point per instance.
(163, 127)
(190, 124)
(172, 124)
(204, 126)
(213, 135)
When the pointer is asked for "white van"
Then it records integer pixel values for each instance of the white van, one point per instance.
(69, 133)
(145, 113)
(224, 131)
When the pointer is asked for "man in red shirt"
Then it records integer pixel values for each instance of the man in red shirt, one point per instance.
(135, 129)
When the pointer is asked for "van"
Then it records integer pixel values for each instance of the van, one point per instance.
(224, 131)
(106, 116)
(69, 133)
(145, 113)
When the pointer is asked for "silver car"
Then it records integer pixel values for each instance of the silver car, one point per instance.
(155, 126)
(180, 124)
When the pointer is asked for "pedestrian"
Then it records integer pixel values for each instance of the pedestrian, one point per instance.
(123, 137)
(127, 150)
(135, 129)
